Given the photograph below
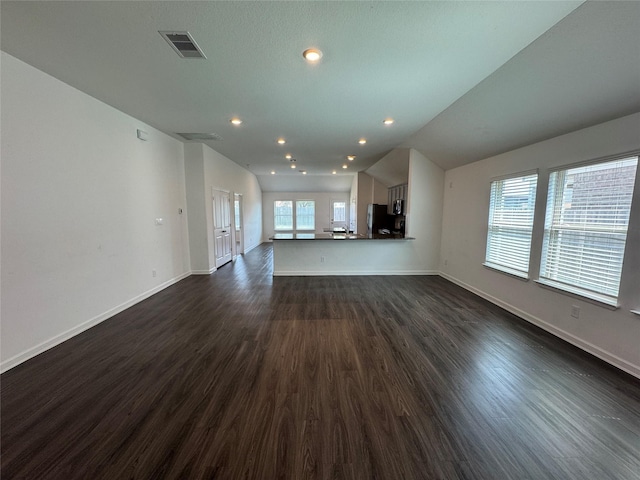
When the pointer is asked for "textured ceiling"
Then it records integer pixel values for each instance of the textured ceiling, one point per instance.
(463, 80)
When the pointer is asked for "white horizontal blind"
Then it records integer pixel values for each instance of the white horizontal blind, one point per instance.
(305, 215)
(339, 211)
(283, 215)
(511, 210)
(586, 226)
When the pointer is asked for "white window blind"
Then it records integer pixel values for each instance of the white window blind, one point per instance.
(586, 227)
(305, 215)
(283, 215)
(339, 211)
(511, 210)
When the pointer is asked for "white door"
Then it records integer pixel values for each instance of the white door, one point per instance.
(338, 214)
(221, 226)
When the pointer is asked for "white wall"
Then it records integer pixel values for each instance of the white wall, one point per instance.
(611, 335)
(392, 169)
(196, 207)
(323, 207)
(346, 257)
(80, 195)
(207, 169)
(424, 209)
(224, 174)
(380, 193)
(377, 257)
(365, 197)
(353, 206)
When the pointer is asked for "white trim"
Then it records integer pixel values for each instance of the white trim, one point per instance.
(248, 249)
(72, 332)
(594, 350)
(203, 272)
(576, 292)
(524, 276)
(347, 273)
(635, 312)
(509, 176)
(586, 163)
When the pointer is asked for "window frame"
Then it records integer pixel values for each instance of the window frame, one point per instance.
(275, 216)
(294, 216)
(555, 200)
(313, 217)
(507, 265)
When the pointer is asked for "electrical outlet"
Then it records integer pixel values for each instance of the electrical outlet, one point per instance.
(446, 262)
(153, 273)
(322, 259)
(575, 311)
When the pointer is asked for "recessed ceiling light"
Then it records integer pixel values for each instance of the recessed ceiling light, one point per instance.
(334, 172)
(345, 165)
(312, 55)
(351, 158)
(362, 141)
(293, 165)
(281, 141)
(236, 121)
(288, 156)
(388, 121)
(304, 172)
(272, 172)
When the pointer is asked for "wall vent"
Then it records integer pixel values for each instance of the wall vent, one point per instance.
(200, 136)
(183, 44)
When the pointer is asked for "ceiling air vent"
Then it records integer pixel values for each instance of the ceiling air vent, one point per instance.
(183, 44)
(200, 136)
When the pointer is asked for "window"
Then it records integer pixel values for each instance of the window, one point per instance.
(511, 211)
(283, 218)
(340, 212)
(283, 215)
(305, 215)
(586, 228)
(339, 215)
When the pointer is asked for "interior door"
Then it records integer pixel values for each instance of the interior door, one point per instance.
(221, 226)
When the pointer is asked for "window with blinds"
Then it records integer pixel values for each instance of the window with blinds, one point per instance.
(283, 215)
(511, 210)
(586, 228)
(305, 215)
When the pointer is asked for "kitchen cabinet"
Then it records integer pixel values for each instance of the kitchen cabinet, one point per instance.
(398, 192)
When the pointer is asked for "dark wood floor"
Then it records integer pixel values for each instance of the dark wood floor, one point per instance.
(241, 375)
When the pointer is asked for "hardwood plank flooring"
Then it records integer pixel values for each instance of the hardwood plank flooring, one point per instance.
(239, 375)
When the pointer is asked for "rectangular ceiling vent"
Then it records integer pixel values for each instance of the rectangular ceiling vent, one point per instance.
(183, 44)
(200, 136)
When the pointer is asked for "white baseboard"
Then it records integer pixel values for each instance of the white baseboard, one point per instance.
(342, 273)
(594, 350)
(204, 272)
(248, 249)
(72, 332)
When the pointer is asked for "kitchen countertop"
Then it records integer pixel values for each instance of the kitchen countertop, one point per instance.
(338, 236)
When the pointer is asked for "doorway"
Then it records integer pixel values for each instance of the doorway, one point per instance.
(221, 226)
(238, 219)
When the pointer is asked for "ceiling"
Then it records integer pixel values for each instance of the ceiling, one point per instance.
(462, 80)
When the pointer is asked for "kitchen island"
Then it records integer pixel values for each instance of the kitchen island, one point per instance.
(306, 254)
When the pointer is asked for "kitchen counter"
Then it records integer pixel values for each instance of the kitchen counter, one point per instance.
(338, 236)
(339, 253)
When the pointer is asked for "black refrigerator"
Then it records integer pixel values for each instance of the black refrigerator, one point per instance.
(377, 218)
